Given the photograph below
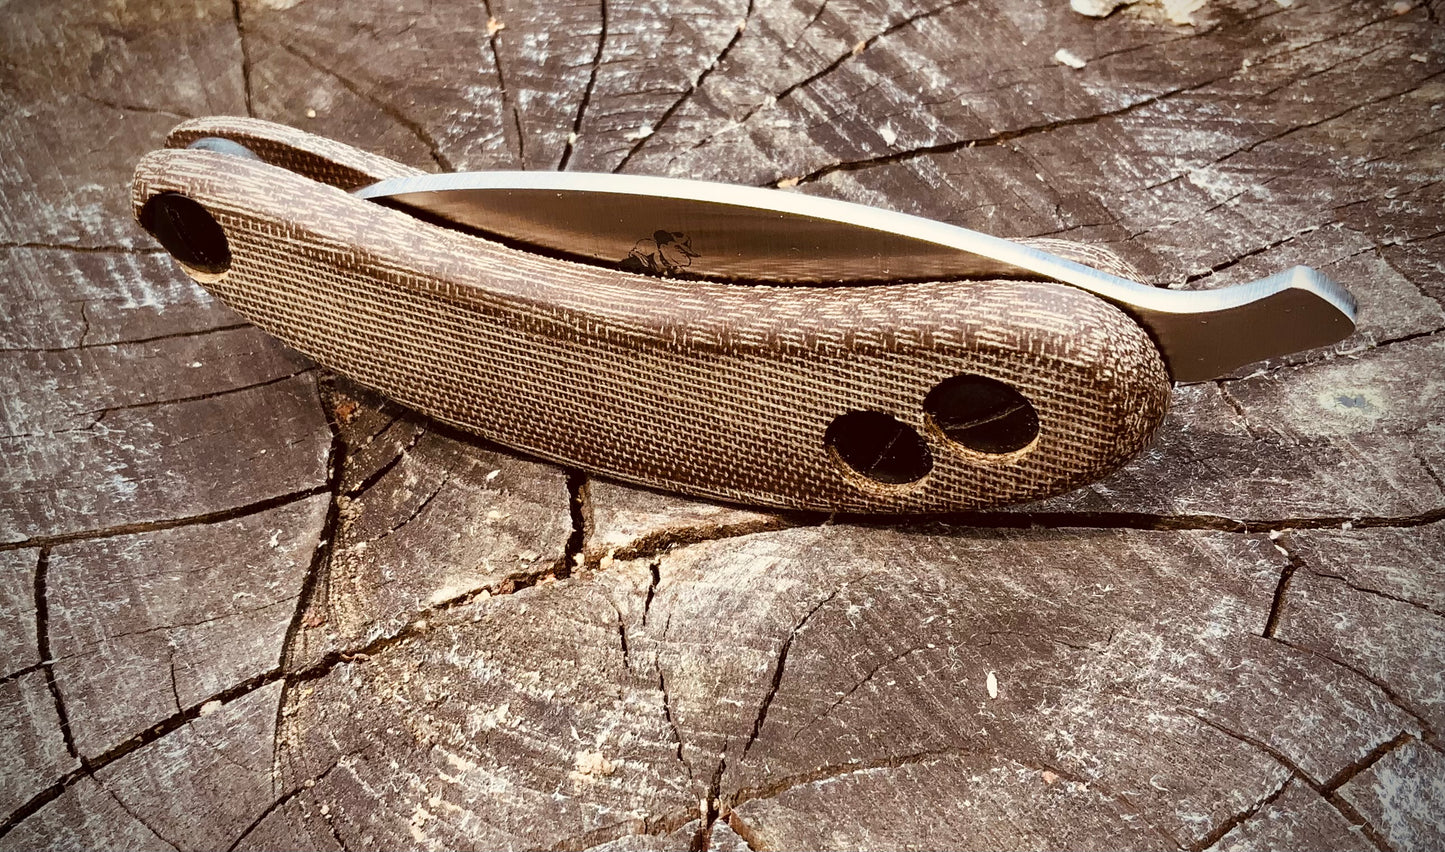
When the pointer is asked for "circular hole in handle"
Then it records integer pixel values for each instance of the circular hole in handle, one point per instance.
(879, 447)
(187, 231)
(982, 414)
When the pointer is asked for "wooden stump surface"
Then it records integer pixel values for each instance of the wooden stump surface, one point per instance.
(248, 605)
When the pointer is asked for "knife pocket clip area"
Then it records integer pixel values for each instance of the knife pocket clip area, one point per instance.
(750, 345)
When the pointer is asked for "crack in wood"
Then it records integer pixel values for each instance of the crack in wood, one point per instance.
(1000, 138)
(655, 568)
(85, 647)
(176, 335)
(1326, 789)
(245, 57)
(610, 834)
(854, 50)
(39, 246)
(1413, 240)
(1281, 589)
(696, 84)
(622, 637)
(330, 821)
(835, 771)
(313, 584)
(778, 671)
(19, 673)
(84, 322)
(577, 511)
(586, 92)
(315, 671)
(285, 798)
(120, 803)
(509, 102)
(741, 828)
(377, 475)
(661, 541)
(1387, 194)
(778, 786)
(367, 439)
(386, 108)
(1427, 734)
(860, 47)
(140, 108)
(169, 523)
(995, 139)
(175, 688)
(1373, 756)
(1275, 137)
(796, 732)
(1353, 57)
(90, 765)
(420, 507)
(817, 14)
(1240, 258)
(1357, 819)
(1233, 822)
(672, 719)
(508, 585)
(102, 413)
(1297, 563)
(42, 646)
(1233, 403)
(1372, 592)
(1274, 753)
(703, 838)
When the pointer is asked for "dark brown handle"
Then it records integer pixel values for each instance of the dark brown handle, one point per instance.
(931, 397)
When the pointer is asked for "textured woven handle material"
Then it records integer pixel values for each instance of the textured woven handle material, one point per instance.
(734, 391)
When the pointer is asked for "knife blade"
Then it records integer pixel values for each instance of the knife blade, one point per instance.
(715, 231)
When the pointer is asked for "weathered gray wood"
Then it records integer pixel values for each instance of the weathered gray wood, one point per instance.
(424, 520)
(1062, 623)
(501, 728)
(975, 801)
(1404, 564)
(17, 611)
(1297, 818)
(89, 87)
(241, 448)
(143, 626)
(35, 752)
(1403, 795)
(86, 815)
(529, 658)
(197, 788)
(62, 300)
(1400, 645)
(202, 785)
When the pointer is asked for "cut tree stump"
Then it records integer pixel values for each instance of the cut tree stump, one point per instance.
(249, 605)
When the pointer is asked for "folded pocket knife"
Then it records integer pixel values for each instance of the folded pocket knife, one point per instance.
(746, 344)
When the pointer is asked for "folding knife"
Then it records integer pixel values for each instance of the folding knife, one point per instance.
(745, 344)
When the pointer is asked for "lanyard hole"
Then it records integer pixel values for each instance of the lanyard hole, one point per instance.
(982, 414)
(879, 447)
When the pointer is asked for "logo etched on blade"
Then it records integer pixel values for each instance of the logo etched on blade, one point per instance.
(665, 253)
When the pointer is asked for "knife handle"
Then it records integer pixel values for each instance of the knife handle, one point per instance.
(900, 399)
